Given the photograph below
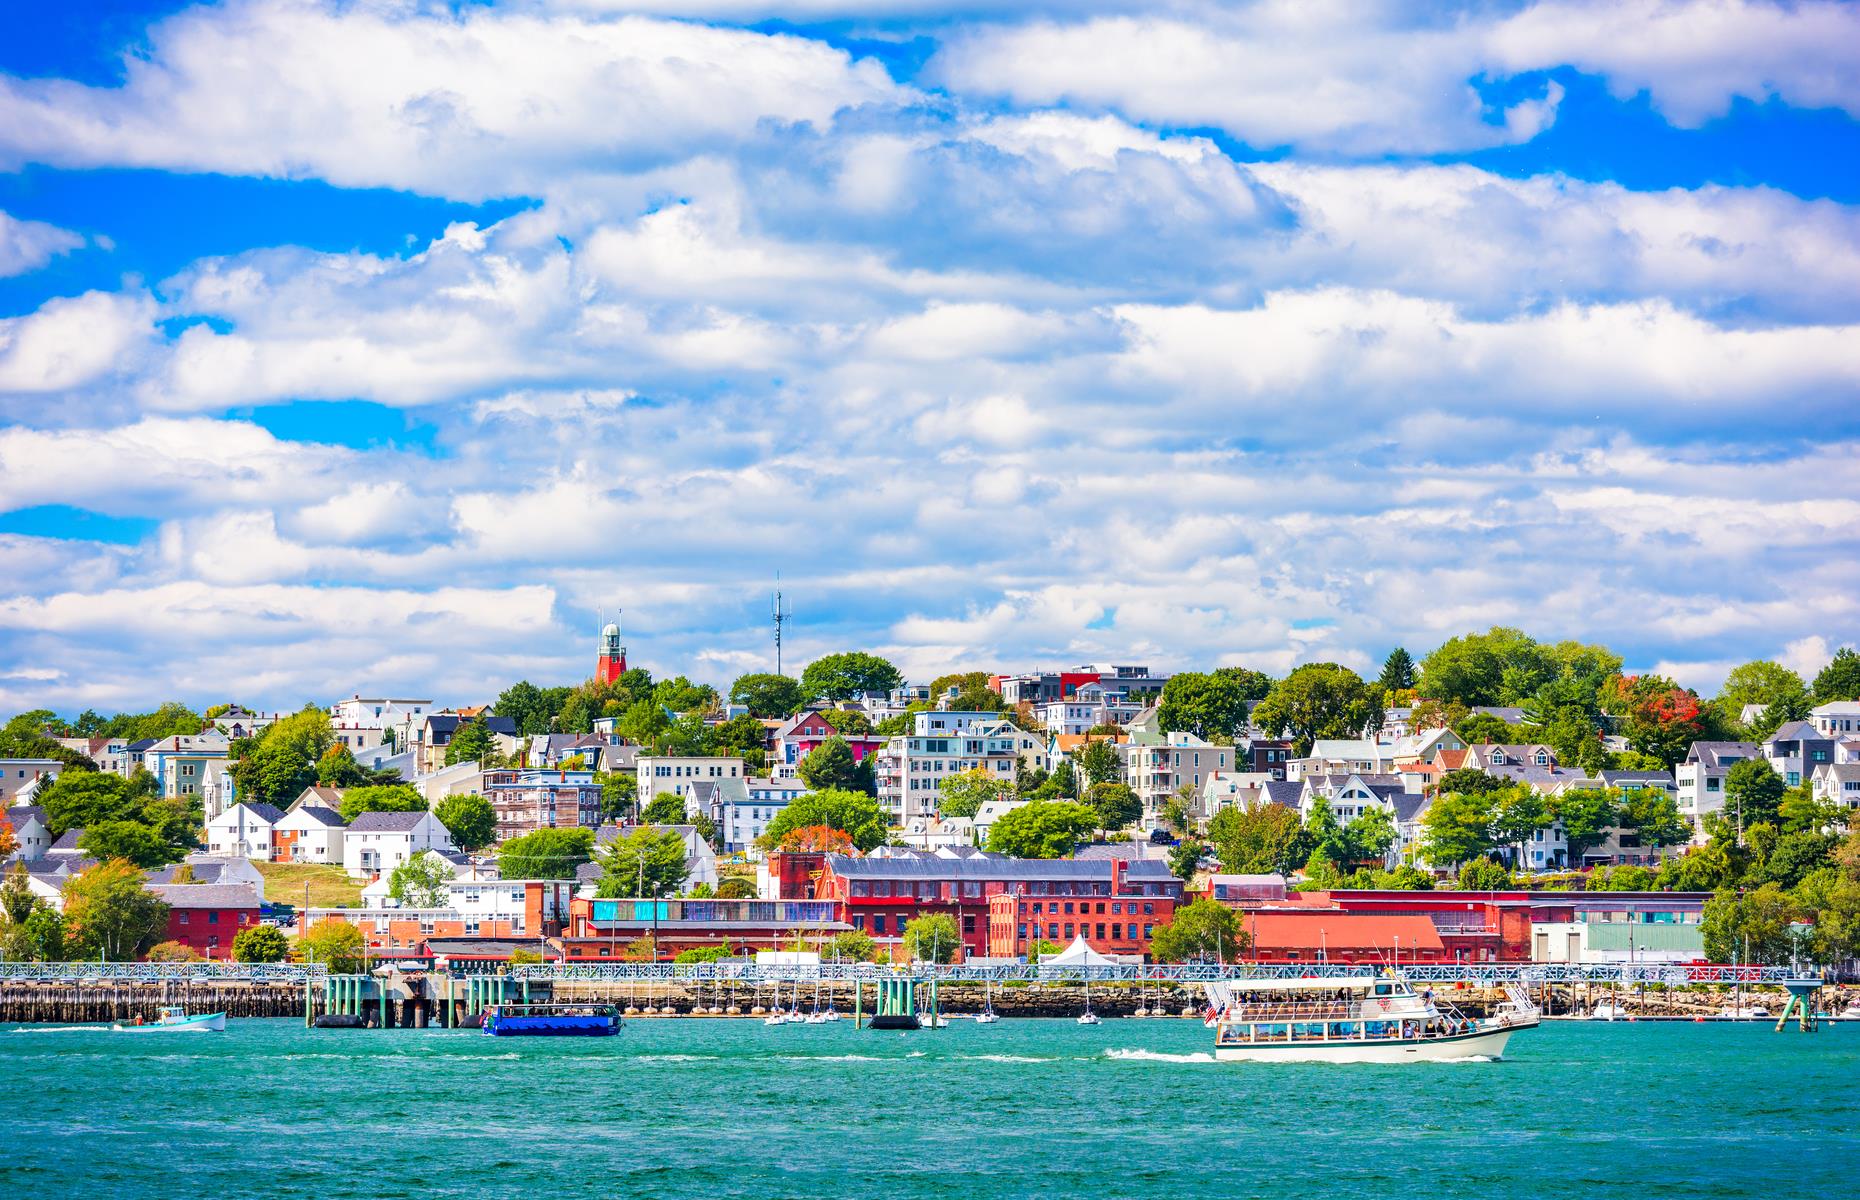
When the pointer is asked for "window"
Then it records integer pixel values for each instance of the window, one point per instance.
(878, 923)
(1101, 931)
(181, 917)
(213, 918)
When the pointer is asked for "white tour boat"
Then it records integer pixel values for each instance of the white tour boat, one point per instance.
(1608, 1010)
(1745, 1012)
(1356, 1019)
(172, 1018)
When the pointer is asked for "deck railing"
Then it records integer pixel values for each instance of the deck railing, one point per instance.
(160, 972)
(1481, 974)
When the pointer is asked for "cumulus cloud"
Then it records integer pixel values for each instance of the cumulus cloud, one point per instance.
(472, 104)
(29, 245)
(1395, 77)
(73, 341)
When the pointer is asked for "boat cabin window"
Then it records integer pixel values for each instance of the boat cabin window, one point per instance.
(1383, 989)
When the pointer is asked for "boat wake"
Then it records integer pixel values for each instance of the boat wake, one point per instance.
(1157, 1056)
(61, 1029)
(677, 1058)
(1005, 1058)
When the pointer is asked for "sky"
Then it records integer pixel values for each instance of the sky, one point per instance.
(383, 345)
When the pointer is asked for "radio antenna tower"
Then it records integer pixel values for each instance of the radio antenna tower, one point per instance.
(781, 615)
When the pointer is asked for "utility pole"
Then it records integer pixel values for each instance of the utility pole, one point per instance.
(781, 615)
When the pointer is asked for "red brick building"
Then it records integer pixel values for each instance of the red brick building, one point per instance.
(206, 917)
(1332, 935)
(882, 895)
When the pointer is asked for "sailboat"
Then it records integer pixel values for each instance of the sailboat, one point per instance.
(988, 1015)
(1088, 1017)
(776, 1014)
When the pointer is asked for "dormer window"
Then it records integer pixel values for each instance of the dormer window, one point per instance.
(1542, 758)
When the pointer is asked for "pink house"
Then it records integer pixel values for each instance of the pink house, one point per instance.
(805, 731)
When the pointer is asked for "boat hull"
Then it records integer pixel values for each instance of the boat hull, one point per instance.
(1484, 1043)
(553, 1027)
(206, 1023)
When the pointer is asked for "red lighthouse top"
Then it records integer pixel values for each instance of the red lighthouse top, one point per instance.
(612, 663)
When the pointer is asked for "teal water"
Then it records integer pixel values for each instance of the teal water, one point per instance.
(676, 1108)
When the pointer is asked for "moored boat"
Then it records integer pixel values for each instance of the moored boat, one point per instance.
(172, 1018)
(552, 1020)
(1361, 1019)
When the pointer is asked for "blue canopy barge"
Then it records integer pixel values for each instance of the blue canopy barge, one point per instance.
(552, 1020)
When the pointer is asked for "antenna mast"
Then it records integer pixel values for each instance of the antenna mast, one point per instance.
(781, 615)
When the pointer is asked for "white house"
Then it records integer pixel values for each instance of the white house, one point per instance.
(310, 833)
(244, 831)
(377, 842)
(1155, 768)
(909, 768)
(1839, 719)
(1701, 776)
(29, 830)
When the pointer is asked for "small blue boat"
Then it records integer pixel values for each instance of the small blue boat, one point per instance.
(552, 1020)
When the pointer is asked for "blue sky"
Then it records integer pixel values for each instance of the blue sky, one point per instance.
(378, 344)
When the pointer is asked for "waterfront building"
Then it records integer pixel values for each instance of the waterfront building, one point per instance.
(206, 917)
(605, 928)
(881, 895)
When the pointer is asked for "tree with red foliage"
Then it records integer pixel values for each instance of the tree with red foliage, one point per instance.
(822, 839)
(1658, 716)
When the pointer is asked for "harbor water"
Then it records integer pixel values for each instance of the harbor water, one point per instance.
(1130, 1108)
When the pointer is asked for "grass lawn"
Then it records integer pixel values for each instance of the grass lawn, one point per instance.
(330, 886)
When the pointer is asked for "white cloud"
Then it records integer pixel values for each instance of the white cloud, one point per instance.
(29, 245)
(400, 94)
(1392, 77)
(73, 341)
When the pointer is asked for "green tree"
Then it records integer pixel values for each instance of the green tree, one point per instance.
(1469, 781)
(1203, 929)
(1457, 828)
(1484, 875)
(261, 944)
(545, 854)
(338, 768)
(1586, 815)
(1318, 700)
(282, 761)
(736, 887)
(1796, 856)
(832, 765)
(680, 695)
(1753, 928)
(1705, 869)
(471, 742)
(1116, 805)
(1185, 859)
(853, 813)
(531, 708)
(1472, 669)
(1518, 813)
(1371, 836)
(1761, 683)
(1397, 672)
(108, 912)
(667, 808)
(964, 793)
(423, 881)
(470, 820)
(851, 945)
(767, 695)
(394, 797)
(619, 792)
(1840, 679)
(1099, 761)
(1323, 831)
(1478, 729)
(80, 799)
(1211, 705)
(1657, 716)
(1654, 817)
(1257, 838)
(933, 937)
(1753, 792)
(131, 841)
(842, 676)
(1042, 829)
(645, 863)
(847, 721)
(336, 944)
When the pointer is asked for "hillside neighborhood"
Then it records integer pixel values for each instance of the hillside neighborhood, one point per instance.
(1499, 799)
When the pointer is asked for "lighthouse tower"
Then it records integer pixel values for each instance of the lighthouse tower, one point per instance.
(612, 663)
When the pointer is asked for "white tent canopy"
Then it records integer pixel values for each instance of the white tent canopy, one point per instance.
(1078, 954)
